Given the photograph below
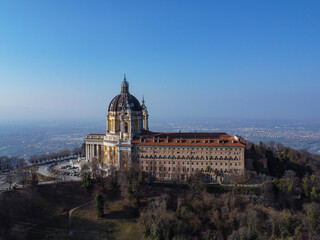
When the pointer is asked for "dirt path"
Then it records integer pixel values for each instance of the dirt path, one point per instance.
(76, 208)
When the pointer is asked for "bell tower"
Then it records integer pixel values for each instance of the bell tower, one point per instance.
(145, 115)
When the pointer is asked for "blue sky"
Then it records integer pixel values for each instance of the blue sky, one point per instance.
(192, 60)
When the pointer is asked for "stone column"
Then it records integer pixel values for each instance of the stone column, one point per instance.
(129, 157)
(97, 150)
(91, 151)
(113, 155)
(87, 152)
(119, 158)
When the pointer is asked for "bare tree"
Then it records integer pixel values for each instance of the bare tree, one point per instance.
(10, 179)
(22, 175)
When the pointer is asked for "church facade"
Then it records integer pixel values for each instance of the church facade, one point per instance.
(166, 156)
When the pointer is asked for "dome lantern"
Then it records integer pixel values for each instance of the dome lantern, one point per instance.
(124, 100)
(125, 86)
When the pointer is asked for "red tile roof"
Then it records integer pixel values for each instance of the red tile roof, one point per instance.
(201, 139)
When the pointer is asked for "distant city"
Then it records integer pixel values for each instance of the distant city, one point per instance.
(25, 140)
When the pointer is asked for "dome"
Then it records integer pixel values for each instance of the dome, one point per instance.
(121, 101)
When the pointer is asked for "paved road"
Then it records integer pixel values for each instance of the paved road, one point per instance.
(42, 170)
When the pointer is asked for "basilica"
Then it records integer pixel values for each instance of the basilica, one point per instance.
(164, 155)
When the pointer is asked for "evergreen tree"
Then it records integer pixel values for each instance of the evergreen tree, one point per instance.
(100, 205)
(87, 182)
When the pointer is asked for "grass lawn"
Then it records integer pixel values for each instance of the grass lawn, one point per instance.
(119, 221)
